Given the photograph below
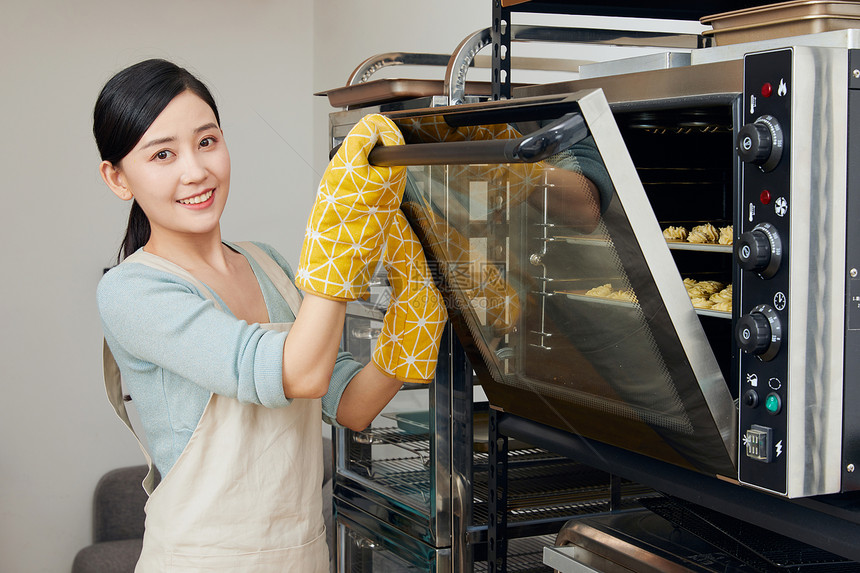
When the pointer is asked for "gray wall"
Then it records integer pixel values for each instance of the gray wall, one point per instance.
(59, 224)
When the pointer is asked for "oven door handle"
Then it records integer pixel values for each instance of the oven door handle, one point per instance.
(558, 136)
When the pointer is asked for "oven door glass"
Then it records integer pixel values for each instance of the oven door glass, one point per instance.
(558, 278)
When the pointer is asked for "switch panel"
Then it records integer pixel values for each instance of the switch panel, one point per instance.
(758, 442)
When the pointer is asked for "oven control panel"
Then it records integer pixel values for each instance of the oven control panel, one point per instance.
(762, 220)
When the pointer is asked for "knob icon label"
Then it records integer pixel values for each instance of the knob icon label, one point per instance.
(745, 252)
(747, 143)
(779, 301)
(781, 206)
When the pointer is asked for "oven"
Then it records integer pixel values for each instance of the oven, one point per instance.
(653, 270)
(672, 276)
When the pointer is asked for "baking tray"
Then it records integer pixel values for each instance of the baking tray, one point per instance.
(580, 296)
(662, 9)
(395, 89)
(782, 20)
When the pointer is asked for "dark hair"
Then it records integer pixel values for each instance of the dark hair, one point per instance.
(126, 107)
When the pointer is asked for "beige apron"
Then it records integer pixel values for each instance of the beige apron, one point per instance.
(245, 494)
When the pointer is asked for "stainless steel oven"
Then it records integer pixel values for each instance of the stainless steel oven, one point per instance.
(661, 258)
(551, 221)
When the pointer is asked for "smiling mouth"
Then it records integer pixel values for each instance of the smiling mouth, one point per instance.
(203, 197)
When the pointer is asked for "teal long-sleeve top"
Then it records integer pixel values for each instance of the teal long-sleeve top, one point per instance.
(174, 349)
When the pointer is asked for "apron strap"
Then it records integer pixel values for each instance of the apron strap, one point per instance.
(276, 274)
(113, 387)
(113, 381)
(162, 264)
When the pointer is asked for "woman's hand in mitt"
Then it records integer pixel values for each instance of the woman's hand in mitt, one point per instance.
(408, 346)
(354, 207)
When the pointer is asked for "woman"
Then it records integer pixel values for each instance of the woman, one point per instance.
(230, 369)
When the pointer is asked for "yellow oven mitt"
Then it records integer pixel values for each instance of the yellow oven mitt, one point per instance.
(408, 345)
(354, 207)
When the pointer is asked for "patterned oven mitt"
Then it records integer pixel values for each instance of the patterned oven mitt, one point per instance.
(408, 345)
(354, 207)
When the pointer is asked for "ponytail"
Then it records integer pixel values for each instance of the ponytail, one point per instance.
(136, 234)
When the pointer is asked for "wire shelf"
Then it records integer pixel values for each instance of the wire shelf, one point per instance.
(525, 555)
(542, 485)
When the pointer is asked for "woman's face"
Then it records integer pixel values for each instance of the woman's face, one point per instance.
(179, 171)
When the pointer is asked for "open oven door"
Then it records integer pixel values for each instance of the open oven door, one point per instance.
(558, 279)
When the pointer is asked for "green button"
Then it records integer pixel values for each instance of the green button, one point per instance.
(772, 403)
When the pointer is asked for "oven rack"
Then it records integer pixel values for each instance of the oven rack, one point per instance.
(542, 486)
(525, 555)
(409, 477)
(673, 245)
(554, 488)
(417, 444)
(618, 303)
(631, 494)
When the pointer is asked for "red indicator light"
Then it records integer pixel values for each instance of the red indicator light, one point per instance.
(766, 89)
(765, 197)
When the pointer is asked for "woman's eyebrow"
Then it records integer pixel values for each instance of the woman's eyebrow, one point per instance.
(159, 141)
(162, 140)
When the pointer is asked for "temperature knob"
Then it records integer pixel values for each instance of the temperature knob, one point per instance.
(761, 142)
(760, 332)
(760, 250)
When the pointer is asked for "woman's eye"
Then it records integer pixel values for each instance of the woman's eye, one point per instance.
(162, 155)
(207, 141)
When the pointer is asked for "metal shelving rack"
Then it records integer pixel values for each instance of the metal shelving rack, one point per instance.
(422, 497)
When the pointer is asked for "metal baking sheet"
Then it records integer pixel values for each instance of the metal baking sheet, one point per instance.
(673, 244)
(782, 20)
(394, 89)
(629, 9)
(703, 247)
(582, 297)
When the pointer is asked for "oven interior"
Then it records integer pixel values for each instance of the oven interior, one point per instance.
(685, 159)
(555, 292)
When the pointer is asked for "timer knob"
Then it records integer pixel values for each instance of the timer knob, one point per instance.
(760, 142)
(760, 250)
(760, 332)
(753, 333)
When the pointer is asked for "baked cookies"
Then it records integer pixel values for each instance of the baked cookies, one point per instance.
(675, 233)
(712, 295)
(606, 291)
(704, 234)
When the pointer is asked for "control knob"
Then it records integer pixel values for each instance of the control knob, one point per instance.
(760, 250)
(761, 142)
(760, 332)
